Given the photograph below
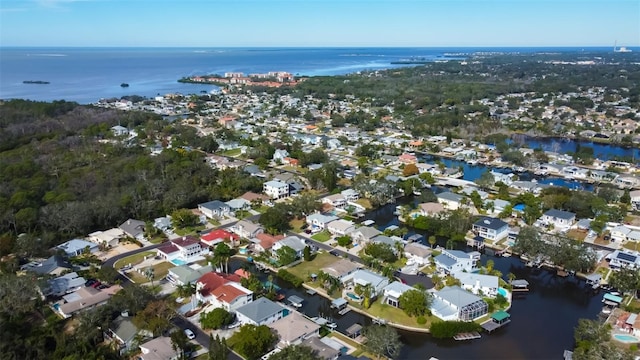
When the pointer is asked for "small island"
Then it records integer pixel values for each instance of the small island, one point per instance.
(124, 85)
(35, 82)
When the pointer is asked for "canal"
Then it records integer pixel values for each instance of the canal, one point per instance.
(542, 321)
(601, 151)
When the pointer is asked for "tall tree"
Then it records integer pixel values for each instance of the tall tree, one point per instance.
(415, 302)
(218, 349)
(296, 352)
(382, 341)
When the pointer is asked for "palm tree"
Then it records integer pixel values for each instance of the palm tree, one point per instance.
(187, 289)
(432, 240)
(511, 276)
(367, 293)
(150, 273)
(450, 244)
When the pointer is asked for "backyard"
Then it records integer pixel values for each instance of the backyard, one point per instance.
(133, 259)
(160, 270)
(322, 236)
(391, 313)
(306, 268)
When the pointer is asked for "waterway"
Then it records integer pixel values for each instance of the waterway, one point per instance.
(601, 151)
(542, 321)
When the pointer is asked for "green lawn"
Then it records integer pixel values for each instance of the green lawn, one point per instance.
(160, 271)
(305, 268)
(189, 230)
(394, 314)
(158, 239)
(632, 245)
(232, 152)
(133, 259)
(296, 225)
(322, 236)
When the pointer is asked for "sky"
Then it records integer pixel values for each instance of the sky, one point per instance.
(319, 23)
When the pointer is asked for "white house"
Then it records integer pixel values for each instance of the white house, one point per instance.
(430, 209)
(109, 237)
(625, 258)
(620, 233)
(452, 303)
(364, 277)
(293, 242)
(247, 229)
(364, 234)
(635, 199)
(417, 253)
(294, 329)
(279, 155)
(491, 228)
(320, 221)
(182, 250)
(341, 227)
(558, 218)
(482, 285)
(76, 247)
(276, 189)
(119, 130)
(454, 261)
(450, 200)
(335, 200)
(222, 290)
(260, 312)
(160, 348)
(350, 194)
(214, 209)
(341, 268)
(393, 291)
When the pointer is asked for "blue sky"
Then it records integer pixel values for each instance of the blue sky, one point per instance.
(248, 23)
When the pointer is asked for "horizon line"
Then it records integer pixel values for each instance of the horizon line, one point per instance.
(315, 47)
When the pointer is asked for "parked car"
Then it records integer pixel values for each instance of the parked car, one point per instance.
(96, 284)
(90, 282)
(190, 334)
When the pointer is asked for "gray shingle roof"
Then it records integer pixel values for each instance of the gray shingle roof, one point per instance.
(560, 214)
(260, 309)
(490, 223)
(457, 296)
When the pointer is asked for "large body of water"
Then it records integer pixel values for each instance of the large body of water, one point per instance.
(542, 321)
(86, 75)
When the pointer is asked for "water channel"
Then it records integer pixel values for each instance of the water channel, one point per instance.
(542, 321)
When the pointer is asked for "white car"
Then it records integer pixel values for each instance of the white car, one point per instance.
(190, 334)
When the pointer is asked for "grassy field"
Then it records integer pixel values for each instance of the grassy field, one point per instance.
(232, 152)
(305, 268)
(296, 225)
(322, 236)
(394, 314)
(632, 245)
(133, 259)
(160, 271)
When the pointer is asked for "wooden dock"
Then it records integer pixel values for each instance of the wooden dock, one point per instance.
(467, 336)
(344, 311)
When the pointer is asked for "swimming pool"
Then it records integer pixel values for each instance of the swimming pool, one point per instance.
(503, 292)
(354, 296)
(178, 262)
(626, 338)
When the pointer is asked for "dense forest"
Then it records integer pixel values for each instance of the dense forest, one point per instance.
(63, 173)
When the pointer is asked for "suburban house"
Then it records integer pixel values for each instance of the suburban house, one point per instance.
(64, 284)
(319, 221)
(185, 274)
(393, 291)
(262, 311)
(350, 195)
(481, 285)
(495, 206)
(635, 199)
(253, 197)
(293, 242)
(364, 234)
(430, 208)
(222, 290)
(83, 299)
(491, 228)
(327, 348)
(335, 200)
(279, 155)
(263, 242)
(119, 130)
(417, 253)
(133, 228)
(183, 250)
(109, 237)
(247, 229)
(54, 265)
(276, 189)
(214, 209)
(238, 204)
(125, 334)
(624, 258)
(558, 218)
(449, 200)
(452, 303)
(454, 261)
(163, 223)
(391, 241)
(341, 268)
(76, 247)
(364, 277)
(407, 159)
(341, 227)
(218, 236)
(160, 348)
(294, 329)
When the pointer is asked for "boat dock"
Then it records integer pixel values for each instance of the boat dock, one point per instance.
(498, 320)
(311, 292)
(467, 336)
(520, 285)
(295, 301)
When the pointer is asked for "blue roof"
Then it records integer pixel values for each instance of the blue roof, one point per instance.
(445, 260)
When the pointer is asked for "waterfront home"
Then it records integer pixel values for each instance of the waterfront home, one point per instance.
(294, 329)
(263, 242)
(350, 194)
(77, 247)
(185, 274)
(214, 209)
(85, 298)
(449, 200)
(392, 292)
(54, 265)
(635, 199)
(327, 347)
(491, 228)
(335, 200)
(217, 236)
(292, 242)
(318, 221)
(481, 285)
(341, 268)
(453, 261)
(528, 186)
(506, 179)
(109, 237)
(262, 311)
(624, 258)
(125, 334)
(470, 190)
(495, 206)
(430, 209)
(417, 253)
(160, 348)
(276, 189)
(627, 181)
(453, 303)
(392, 242)
(364, 277)
(222, 290)
(341, 227)
(558, 218)
(407, 159)
(247, 229)
(183, 250)
(133, 228)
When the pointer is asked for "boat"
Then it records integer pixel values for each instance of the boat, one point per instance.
(124, 85)
(39, 82)
(472, 162)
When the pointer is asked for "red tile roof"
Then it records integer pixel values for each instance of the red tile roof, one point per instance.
(219, 234)
(242, 273)
(212, 281)
(227, 293)
(267, 241)
(168, 248)
(185, 241)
